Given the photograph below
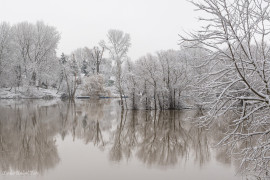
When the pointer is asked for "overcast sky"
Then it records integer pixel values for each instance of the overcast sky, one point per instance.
(152, 24)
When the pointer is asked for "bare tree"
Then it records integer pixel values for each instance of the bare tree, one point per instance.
(35, 47)
(157, 82)
(5, 39)
(117, 45)
(6, 57)
(236, 39)
(71, 75)
(97, 57)
(131, 83)
(150, 68)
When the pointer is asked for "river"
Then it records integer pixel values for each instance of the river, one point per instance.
(94, 139)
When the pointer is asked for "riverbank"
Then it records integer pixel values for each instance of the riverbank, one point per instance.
(41, 93)
(28, 93)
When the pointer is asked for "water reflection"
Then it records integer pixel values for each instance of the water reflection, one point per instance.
(26, 140)
(28, 132)
(159, 138)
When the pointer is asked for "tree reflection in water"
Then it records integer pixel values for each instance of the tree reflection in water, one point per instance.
(27, 142)
(29, 130)
(158, 138)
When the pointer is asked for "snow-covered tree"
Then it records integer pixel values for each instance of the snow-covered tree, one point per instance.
(131, 83)
(27, 54)
(236, 37)
(157, 81)
(94, 86)
(35, 47)
(118, 44)
(97, 55)
(7, 74)
(63, 58)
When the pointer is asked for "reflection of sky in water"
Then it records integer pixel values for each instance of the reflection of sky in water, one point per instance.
(93, 139)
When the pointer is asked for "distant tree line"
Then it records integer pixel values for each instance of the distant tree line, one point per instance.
(158, 81)
(28, 58)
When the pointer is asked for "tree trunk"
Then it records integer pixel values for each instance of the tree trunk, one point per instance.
(125, 99)
(163, 101)
(97, 67)
(174, 99)
(179, 94)
(133, 100)
(75, 87)
(121, 98)
(146, 103)
(155, 100)
(159, 102)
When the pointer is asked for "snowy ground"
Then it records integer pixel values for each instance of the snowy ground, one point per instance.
(35, 93)
(28, 92)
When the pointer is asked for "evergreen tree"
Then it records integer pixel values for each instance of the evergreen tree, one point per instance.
(84, 68)
(74, 66)
(63, 59)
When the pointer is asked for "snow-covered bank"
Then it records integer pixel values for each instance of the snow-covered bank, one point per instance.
(41, 93)
(28, 92)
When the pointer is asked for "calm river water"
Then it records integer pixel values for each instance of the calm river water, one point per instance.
(93, 139)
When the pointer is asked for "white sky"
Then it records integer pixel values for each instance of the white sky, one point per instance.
(152, 24)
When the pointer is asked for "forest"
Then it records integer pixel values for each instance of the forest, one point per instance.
(29, 61)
